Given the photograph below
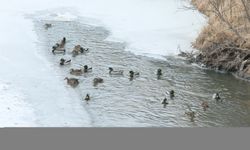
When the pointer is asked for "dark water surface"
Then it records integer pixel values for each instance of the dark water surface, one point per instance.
(121, 102)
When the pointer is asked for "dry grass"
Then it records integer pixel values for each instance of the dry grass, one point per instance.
(228, 24)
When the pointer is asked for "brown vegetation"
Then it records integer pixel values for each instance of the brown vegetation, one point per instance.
(225, 41)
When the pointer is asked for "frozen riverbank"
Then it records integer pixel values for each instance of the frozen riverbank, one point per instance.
(38, 97)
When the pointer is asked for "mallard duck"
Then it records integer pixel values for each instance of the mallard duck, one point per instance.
(47, 25)
(216, 96)
(87, 98)
(190, 114)
(205, 105)
(133, 74)
(64, 62)
(59, 47)
(76, 72)
(171, 93)
(86, 69)
(72, 81)
(159, 72)
(115, 72)
(164, 102)
(96, 81)
(79, 50)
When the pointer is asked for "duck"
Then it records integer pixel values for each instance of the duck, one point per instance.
(78, 49)
(216, 96)
(190, 114)
(76, 72)
(59, 47)
(164, 102)
(87, 69)
(205, 105)
(133, 74)
(115, 72)
(73, 82)
(159, 72)
(96, 81)
(64, 62)
(47, 25)
(87, 98)
(171, 93)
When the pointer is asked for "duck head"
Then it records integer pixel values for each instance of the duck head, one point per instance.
(111, 69)
(131, 74)
(171, 92)
(159, 72)
(62, 60)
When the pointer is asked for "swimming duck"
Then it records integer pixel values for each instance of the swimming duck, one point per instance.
(86, 69)
(216, 96)
(171, 93)
(133, 74)
(59, 47)
(205, 105)
(191, 114)
(76, 72)
(72, 81)
(47, 25)
(78, 49)
(164, 102)
(159, 73)
(115, 72)
(64, 62)
(96, 81)
(87, 98)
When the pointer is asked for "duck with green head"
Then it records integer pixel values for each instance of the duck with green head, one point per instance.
(86, 69)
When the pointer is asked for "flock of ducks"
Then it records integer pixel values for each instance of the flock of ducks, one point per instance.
(74, 82)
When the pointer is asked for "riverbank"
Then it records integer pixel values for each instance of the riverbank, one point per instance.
(224, 43)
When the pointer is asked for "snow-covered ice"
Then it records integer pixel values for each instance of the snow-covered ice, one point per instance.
(36, 95)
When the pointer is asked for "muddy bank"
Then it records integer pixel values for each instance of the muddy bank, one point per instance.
(228, 59)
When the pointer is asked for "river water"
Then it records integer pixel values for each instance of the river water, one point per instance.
(119, 102)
